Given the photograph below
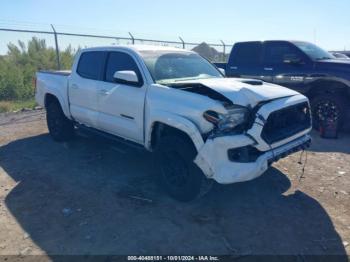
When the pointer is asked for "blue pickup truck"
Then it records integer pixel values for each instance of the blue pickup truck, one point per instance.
(301, 66)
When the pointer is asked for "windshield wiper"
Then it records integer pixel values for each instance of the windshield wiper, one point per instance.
(192, 78)
(169, 81)
(187, 79)
(324, 58)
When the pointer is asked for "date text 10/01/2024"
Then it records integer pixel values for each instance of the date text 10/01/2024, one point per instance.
(173, 258)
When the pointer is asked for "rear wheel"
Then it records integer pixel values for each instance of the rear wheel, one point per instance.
(178, 175)
(329, 107)
(60, 127)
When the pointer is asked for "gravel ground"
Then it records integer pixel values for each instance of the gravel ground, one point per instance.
(93, 197)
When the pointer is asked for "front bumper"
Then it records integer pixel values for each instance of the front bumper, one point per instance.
(213, 157)
(224, 171)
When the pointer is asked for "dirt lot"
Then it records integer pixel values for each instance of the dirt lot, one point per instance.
(92, 197)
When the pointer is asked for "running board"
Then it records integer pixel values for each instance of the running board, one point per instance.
(84, 130)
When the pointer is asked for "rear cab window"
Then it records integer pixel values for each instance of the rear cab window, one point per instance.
(91, 65)
(248, 53)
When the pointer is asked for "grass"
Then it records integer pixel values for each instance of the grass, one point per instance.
(9, 106)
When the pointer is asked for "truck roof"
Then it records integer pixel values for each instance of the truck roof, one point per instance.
(263, 41)
(136, 48)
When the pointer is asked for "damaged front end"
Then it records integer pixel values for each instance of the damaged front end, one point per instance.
(235, 120)
(237, 149)
(254, 126)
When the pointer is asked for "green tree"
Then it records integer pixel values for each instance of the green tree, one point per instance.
(18, 66)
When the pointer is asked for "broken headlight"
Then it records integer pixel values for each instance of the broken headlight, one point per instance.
(236, 116)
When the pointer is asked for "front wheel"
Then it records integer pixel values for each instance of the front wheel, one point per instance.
(328, 107)
(178, 175)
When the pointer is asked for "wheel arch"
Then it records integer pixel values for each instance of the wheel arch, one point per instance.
(49, 98)
(172, 124)
(329, 86)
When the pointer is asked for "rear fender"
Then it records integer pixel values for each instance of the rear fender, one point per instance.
(61, 100)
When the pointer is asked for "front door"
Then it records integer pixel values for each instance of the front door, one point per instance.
(278, 71)
(121, 106)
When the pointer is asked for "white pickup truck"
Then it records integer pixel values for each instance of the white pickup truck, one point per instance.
(200, 125)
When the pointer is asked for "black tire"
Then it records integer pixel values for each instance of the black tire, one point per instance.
(60, 127)
(328, 106)
(177, 174)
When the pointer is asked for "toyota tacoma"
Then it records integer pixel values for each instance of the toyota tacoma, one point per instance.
(200, 126)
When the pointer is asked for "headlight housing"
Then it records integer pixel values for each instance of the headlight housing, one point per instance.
(235, 117)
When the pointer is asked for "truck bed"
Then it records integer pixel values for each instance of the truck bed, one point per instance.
(55, 83)
(57, 72)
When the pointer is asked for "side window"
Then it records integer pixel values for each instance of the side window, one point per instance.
(246, 53)
(119, 61)
(91, 65)
(276, 53)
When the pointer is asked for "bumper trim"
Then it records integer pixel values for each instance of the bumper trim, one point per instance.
(293, 146)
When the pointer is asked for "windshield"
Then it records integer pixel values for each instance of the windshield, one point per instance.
(313, 51)
(167, 67)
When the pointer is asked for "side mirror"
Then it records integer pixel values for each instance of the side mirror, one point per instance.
(126, 77)
(292, 60)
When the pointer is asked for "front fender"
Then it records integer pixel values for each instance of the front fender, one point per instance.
(175, 121)
(325, 83)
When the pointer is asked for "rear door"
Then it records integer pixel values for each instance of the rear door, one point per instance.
(245, 60)
(276, 70)
(121, 106)
(84, 87)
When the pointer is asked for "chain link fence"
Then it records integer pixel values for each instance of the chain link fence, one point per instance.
(59, 40)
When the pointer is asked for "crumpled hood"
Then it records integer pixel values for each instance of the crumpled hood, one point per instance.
(245, 92)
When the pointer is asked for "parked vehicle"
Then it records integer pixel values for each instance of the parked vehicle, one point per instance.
(339, 55)
(301, 66)
(200, 125)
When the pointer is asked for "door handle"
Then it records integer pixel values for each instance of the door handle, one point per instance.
(233, 67)
(268, 68)
(74, 86)
(104, 92)
(126, 116)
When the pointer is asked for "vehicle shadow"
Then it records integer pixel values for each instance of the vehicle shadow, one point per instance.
(89, 197)
(340, 145)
